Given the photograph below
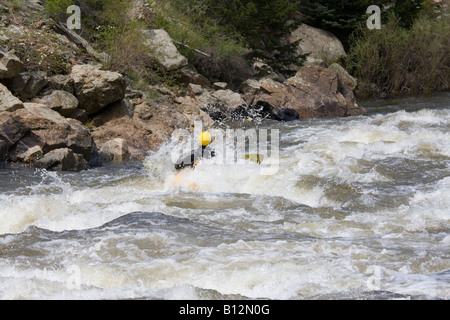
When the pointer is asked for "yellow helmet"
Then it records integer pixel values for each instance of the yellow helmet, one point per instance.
(205, 138)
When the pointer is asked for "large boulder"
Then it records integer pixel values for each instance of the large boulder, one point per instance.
(115, 150)
(95, 88)
(38, 125)
(149, 127)
(27, 85)
(314, 92)
(61, 82)
(63, 159)
(10, 65)
(323, 47)
(8, 102)
(31, 155)
(347, 86)
(164, 50)
(208, 105)
(60, 101)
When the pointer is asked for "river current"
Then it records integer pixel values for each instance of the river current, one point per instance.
(358, 209)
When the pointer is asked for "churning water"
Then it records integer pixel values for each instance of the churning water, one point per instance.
(359, 209)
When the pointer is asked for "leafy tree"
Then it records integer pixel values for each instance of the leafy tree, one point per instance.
(407, 11)
(264, 24)
(342, 17)
(339, 17)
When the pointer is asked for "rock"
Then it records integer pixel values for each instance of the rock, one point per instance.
(250, 86)
(207, 105)
(151, 125)
(60, 101)
(312, 93)
(347, 83)
(194, 90)
(61, 82)
(164, 51)
(31, 155)
(80, 115)
(38, 125)
(323, 47)
(79, 139)
(27, 85)
(115, 150)
(63, 159)
(133, 131)
(8, 102)
(189, 74)
(10, 65)
(95, 89)
(113, 111)
(11, 131)
(229, 98)
(220, 86)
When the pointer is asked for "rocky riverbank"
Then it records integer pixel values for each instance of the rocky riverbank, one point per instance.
(86, 116)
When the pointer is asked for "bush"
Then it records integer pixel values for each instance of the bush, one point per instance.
(396, 60)
(254, 29)
(57, 9)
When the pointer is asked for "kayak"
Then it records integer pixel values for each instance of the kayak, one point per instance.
(180, 181)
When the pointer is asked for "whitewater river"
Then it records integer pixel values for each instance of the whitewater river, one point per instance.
(358, 209)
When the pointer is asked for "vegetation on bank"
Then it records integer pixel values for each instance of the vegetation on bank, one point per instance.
(396, 60)
(223, 40)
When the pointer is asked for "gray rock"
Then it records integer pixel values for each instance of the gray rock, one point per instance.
(346, 82)
(189, 74)
(323, 47)
(38, 125)
(8, 102)
(63, 159)
(220, 85)
(116, 110)
(95, 88)
(61, 82)
(10, 65)
(250, 86)
(31, 155)
(60, 101)
(164, 51)
(27, 85)
(80, 115)
(194, 90)
(312, 93)
(229, 98)
(115, 150)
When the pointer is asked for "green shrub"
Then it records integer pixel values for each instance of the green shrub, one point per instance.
(57, 9)
(41, 49)
(396, 60)
(233, 34)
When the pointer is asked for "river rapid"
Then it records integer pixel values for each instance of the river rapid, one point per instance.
(358, 209)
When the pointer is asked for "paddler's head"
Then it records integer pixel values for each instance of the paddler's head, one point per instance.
(205, 139)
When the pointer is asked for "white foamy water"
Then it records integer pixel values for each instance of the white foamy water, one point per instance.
(359, 208)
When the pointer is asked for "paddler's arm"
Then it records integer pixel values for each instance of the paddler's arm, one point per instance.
(189, 160)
